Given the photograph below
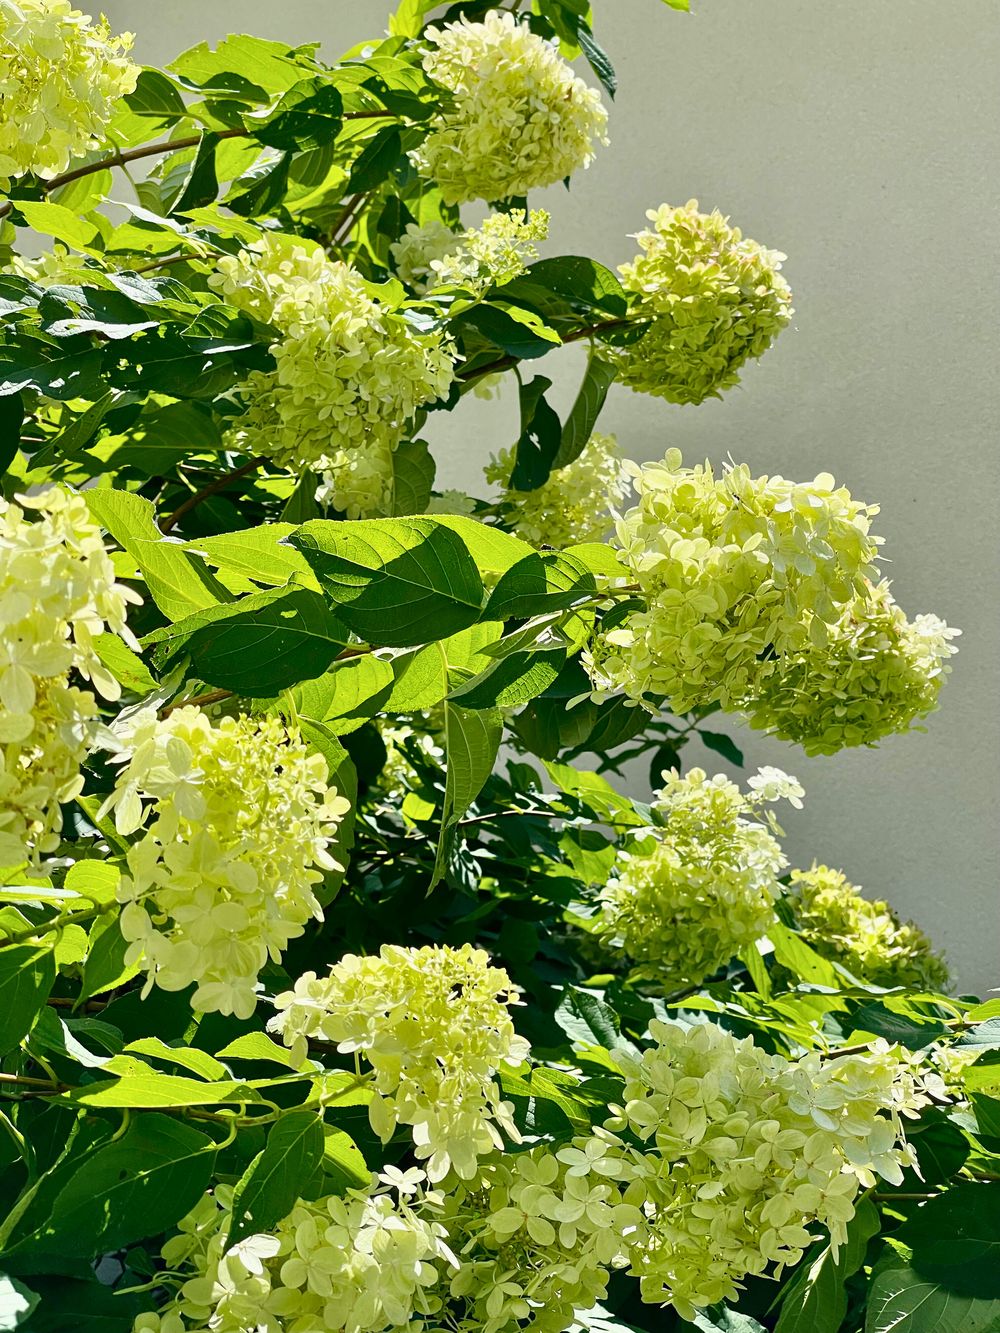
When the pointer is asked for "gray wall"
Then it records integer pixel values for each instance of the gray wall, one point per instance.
(860, 139)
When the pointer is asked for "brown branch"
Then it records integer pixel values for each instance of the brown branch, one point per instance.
(213, 488)
(197, 701)
(505, 362)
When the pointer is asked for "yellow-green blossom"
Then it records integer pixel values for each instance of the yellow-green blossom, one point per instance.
(736, 573)
(495, 253)
(866, 935)
(574, 504)
(238, 819)
(870, 674)
(366, 1261)
(351, 370)
(702, 886)
(714, 300)
(434, 1026)
(415, 251)
(60, 77)
(518, 117)
(57, 594)
(744, 1152)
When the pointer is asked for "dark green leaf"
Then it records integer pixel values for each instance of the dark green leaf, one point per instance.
(308, 116)
(587, 1020)
(583, 281)
(412, 478)
(155, 95)
(815, 1300)
(201, 184)
(11, 421)
(376, 160)
(955, 1239)
(540, 437)
(722, 744)
(586, 409)
(901, 1301)
(272, 1183)
(27, 973)
(540, 583)
(912, 1033)
(472, 742)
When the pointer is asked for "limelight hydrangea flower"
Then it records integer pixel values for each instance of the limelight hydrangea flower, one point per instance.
(238, 818)
(57, 593)
(574, 504)
(495, 253)
(745, 1151)
(60, 77)
(538, 1234)
(736, 573)
(364, 1262)
(519, 118)
(351, 371)
(713, 298)
(434, 1025)
(702, 887)
(871, 674)
(54, 266)
(867, 936)
(418, 247)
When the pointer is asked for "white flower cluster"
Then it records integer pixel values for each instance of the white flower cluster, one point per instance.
(700, 888)
(238, 817)
(745, 1151)
(351, 371)
(365, 1262)
(574, 504)
(434, 1025)
(518, 119)
(60, 77)
(57, 593)
(416, 250)
(495, 253)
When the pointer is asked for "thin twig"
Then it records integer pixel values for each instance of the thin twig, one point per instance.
(213, 488)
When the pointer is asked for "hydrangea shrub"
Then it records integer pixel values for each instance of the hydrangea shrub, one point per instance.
(342, 985)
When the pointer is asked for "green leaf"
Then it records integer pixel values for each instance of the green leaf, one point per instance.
(201, 184)
(493, 550)
(61, 223)
(518, 332)
(539, 440)
(901, 1301)
(511, 680)
(598, 60)
(258, 1046)
(308, 116)
(153, 1091)
(259, 554)
(156, 95)
(137, 1186)
(983, 1037)
(683, 5)
(720, 1319)
(413, 471)
(347, 695)
(793, 952)
(582, 419)
(722, 744)
(16, 1302)
(587, 1020)
(542, 582)
(178, 584)
(126, 667)
(912, 1033)
(376, 160)
(260, 644)
(472, 742)
(582, 281)
(955, 1239)
(27, 974)
(815, 1300)
(271, 1185)
(343, 1164)
(253, 62)
(11, 421)
(395, 582)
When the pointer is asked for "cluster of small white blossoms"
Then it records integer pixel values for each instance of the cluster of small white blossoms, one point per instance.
(238, 818)
(865, 935)
(417, 249)
(701, 887)
(744, 1151)
(518, 118)
(60, 77)
(748, 585)
(364, 1262)
(714, 299)
(871, 674)
(57, 593)
(50, 268)
(495, 253)
(351, 370)
(434, 1025)
(574, 504)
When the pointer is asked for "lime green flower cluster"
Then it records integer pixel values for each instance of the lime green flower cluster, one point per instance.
(60, 77)
(416, 250)
(238, 819)
(364, 1262)
(57, 594)
(518, 119)
(574, 504)
(538, 1235)
(402, 1009)
(352, 369)
(871, 674)
(54, 266)
(865, 935)
(495, 253)
(744, 1151)
(701, 887)
(713, 299)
